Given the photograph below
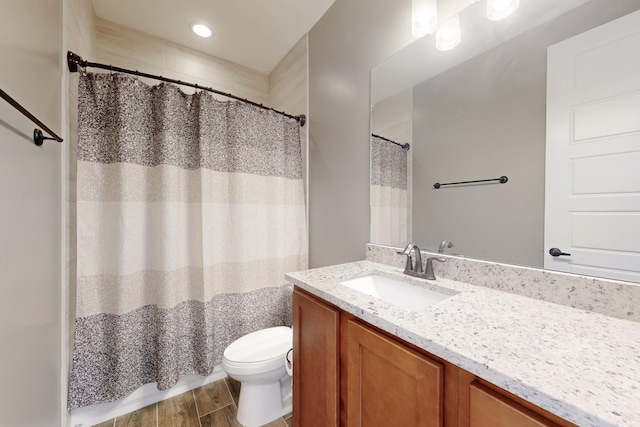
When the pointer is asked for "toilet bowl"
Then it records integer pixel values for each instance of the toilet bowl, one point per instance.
(257, 360)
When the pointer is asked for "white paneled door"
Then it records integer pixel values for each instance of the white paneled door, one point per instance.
(592, 191)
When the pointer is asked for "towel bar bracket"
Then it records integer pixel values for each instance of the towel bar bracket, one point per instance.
(39, 138)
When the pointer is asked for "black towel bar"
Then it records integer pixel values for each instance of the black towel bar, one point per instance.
(38, 136)
(503, 179)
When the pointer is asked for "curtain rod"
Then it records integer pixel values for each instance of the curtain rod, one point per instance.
(38, 137)
(405, 146)
(74, 60)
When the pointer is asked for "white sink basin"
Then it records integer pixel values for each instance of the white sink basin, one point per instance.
(396, 292)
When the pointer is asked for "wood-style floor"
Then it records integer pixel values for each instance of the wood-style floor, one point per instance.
(212, 405)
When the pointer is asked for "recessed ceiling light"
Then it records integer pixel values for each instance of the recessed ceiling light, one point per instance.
(201, 30)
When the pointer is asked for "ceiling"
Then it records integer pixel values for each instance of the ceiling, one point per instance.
(254, 33)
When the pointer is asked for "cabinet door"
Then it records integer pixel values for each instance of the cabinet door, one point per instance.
(315, 367)
(490, 409)
(390, 384)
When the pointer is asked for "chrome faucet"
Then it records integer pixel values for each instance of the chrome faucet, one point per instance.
(428, 273)
(443, 244)
(410, 268)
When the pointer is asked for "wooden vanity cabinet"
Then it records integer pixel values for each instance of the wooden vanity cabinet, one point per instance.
(348, 373)
(316, 381)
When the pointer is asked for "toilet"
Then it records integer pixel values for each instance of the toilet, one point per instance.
(257, 360)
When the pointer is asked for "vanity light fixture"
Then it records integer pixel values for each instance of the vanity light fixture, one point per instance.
(202, 30)
(500, 9)
(424, 17)
(448, 34)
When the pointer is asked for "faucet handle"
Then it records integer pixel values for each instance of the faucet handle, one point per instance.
(429, 273)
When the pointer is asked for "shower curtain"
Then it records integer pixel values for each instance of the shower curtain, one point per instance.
(190, 212)
(389, 196)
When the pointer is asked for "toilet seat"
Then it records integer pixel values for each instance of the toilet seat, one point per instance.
(259, 351)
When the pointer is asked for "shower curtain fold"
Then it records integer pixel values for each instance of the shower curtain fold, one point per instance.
(190, 211)
(389, 195)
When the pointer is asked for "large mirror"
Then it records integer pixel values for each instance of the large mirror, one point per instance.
(555, 73)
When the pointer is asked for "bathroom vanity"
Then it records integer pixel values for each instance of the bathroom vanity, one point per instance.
(479, 357)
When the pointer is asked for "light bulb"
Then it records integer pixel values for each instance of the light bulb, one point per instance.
(500, 9)
(448, 35)
(424, 17)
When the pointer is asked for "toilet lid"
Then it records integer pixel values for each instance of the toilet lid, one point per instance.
(261, 345)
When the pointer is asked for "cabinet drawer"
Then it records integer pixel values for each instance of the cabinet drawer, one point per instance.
(491, 409)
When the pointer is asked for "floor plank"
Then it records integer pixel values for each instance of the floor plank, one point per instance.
(277, 423)
(178, 411)
(213, 402)
(234, 388)
(224, 417)
(145, 417)
(211, 397)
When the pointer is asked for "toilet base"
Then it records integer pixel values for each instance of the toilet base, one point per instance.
(262, 403)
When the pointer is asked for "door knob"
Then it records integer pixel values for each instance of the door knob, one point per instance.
(557, 252)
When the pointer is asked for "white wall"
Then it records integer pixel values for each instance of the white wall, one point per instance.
(30, 217)
(352, 37)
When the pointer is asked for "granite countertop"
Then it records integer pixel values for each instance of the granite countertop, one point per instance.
(580, 365)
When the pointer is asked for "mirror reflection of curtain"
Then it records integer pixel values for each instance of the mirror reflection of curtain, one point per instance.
(190, 212)
(389, 195)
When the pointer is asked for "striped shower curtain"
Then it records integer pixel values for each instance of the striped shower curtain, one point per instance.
(190, 211)
(389, 197)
